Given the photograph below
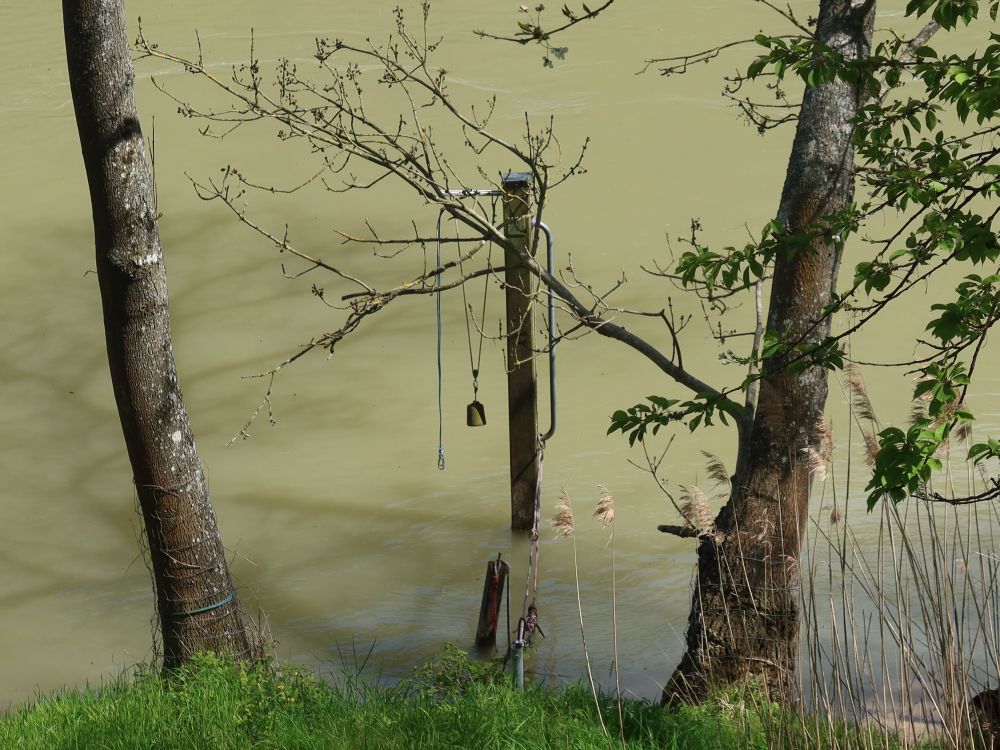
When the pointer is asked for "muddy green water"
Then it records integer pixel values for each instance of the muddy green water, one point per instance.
(340, 527)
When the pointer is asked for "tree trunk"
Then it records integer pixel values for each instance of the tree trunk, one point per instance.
(196, 602)
(744, 622)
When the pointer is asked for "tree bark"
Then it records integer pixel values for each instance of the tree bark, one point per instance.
(197, 605)
(744, 622)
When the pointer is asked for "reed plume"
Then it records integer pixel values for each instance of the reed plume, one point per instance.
(860, 402)
(871, 448)
(716, 470)
(605, 512)
(815, 463)
(694, 508)
(824, 436)
(562, 521)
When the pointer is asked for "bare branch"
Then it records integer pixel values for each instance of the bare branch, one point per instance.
(983, 497)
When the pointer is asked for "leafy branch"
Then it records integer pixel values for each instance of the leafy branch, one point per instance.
(533, 31)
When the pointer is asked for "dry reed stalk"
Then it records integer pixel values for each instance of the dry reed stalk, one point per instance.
(861, 410)
(565, 526)
(925, 610)
(605, 515)
(912, 629)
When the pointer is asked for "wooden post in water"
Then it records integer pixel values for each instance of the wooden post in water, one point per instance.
(522, 391)
(489, 610)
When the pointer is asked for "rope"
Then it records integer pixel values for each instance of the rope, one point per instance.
(475, 362)
(437, 312)
(527, 624)
(493, 613)
(538, 516)
(508, 619)
(529, 613)
(440, 376)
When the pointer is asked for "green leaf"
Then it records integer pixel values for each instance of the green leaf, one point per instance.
(755, 68)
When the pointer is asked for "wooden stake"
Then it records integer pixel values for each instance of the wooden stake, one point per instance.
(489, 611)
(522, 390)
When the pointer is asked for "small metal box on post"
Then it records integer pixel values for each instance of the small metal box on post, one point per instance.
(522, 390)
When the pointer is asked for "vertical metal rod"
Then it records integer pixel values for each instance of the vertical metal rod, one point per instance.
(549, 250)
(517, 664)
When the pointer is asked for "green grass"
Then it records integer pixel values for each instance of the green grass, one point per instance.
(451, 703)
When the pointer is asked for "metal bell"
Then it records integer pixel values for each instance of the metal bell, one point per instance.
(475, 414)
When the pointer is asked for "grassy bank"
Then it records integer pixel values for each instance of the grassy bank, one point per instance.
(450, 704)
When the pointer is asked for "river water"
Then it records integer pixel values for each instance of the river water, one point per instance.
(342, 530)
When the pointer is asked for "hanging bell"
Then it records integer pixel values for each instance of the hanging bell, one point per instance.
(475, 414)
